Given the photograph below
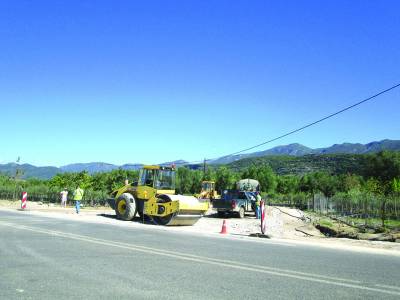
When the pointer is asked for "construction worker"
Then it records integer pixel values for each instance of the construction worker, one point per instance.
(78, 195)
(258, 203)
(64, 197)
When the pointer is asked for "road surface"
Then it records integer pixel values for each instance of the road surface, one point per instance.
(49, 258)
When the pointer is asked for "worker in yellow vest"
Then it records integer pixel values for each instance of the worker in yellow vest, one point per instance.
(78, 195)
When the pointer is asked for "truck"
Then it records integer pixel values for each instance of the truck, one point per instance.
(238, 201)
(235, 202)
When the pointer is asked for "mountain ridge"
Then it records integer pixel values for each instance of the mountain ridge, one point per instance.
(297, 149)
(291, 150)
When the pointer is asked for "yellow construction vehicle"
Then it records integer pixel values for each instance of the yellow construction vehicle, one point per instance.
(208, 191)
(154, 196)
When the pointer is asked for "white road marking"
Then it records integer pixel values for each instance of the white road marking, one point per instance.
(212, 261)
(149, 227)
(388, 286)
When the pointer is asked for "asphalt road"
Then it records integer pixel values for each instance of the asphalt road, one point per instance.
(48, 258)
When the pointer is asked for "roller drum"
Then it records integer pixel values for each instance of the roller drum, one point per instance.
(190, 211)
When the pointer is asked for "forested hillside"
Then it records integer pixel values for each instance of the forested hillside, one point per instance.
(299, 165)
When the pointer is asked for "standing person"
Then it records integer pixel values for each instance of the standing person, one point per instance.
(78, 195)
(258, 203)
(64, 197)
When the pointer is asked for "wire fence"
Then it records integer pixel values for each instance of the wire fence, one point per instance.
(361, 210)
(90, 198)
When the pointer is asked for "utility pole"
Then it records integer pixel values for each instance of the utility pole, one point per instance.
(18, 172)
(204, 169)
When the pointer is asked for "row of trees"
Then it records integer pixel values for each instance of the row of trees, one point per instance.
(97, 186)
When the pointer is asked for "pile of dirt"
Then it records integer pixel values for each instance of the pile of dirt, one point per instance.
(283, 223)
(290, 223)
(335, 228)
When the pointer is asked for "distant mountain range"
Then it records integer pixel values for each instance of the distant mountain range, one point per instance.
(293, 150)
(96, 167)
(300, 150)
(29, 171)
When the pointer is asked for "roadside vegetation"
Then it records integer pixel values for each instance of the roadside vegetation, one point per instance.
(368, 197)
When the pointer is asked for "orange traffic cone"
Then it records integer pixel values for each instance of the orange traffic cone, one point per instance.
(223, 230)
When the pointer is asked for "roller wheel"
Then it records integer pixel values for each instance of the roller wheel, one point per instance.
(241, 212)
(163, 220)
(125, 207)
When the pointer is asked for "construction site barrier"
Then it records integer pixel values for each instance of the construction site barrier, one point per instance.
(24, 200)
(263, 213)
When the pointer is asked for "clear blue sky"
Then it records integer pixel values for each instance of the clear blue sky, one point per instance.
(154, 81)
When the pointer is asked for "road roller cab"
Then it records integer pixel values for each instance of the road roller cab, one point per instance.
(160, 179)
(154, 197)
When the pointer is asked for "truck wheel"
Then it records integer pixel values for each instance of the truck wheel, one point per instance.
(241, 212)
(125, 207)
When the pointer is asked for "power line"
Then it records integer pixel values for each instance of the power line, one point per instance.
(305, 126)
(318, 121)
(301, 128)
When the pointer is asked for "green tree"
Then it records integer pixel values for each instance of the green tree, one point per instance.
(196, 179)
(308, 184)
(184, 180)
(83, 179)
(383, 166)
(395, 187)
(327, 184)
(99, 181)
(374, 188)
(208, 175)
(265, 175)
(224, 179)
(288, 185)
(348, 182)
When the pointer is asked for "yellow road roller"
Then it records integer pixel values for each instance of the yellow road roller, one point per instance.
(208, 191)
(153, 197)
